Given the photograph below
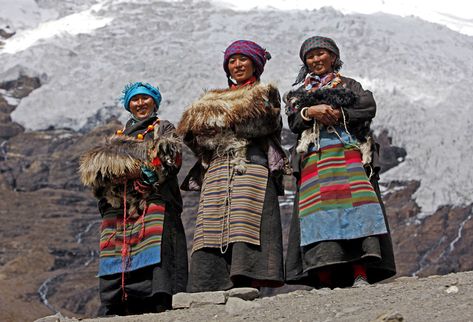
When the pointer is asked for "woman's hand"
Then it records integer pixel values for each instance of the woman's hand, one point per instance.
(325, 114)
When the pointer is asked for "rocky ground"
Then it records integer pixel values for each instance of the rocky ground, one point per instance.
(435, 298)
(49, 227)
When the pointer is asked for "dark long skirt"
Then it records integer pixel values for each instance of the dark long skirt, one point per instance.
(337, 256)
(244, 265)
(150, 289)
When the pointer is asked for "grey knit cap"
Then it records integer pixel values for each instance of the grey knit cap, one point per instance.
(318, 42)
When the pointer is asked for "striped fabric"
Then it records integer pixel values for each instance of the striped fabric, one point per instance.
(143, 240)
(336, 199)
(230, 205)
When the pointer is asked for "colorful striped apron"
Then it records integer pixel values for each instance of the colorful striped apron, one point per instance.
(336, 198)
(230, 205)
(142, 242)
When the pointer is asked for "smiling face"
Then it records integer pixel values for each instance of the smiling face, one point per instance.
(241, 68)
(142, 106)
(320, 61)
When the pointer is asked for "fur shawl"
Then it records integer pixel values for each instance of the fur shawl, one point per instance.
(106, 167)
(221, 109)
(337, 97)
(223, 120)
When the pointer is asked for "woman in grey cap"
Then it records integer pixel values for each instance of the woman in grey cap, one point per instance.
(339, 234)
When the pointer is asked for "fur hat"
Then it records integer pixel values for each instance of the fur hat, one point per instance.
(136, 88)
(255, 52)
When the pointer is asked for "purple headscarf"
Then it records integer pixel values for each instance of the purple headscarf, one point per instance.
(255, 52)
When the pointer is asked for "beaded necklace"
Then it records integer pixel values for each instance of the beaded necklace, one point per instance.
(141, 136)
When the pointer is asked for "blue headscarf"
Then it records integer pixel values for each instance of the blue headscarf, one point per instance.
(133, 89)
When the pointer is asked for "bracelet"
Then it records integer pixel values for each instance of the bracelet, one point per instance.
(304, 114)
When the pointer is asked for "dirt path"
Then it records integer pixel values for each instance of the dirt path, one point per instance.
(436, 298)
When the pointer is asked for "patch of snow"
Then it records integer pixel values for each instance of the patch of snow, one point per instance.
(18, 14)
(74, 24)
(459, 233)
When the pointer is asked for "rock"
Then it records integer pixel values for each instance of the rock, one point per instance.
(4, 117)
(389, 155)
(51, 318)
(6, 32)
(452, 289)
(237, 306)
(9, 130)
(390, 317)
(406, 278)
(187, 300)
(322, 291)
(22, 86)
(244, 293)
(5, 107)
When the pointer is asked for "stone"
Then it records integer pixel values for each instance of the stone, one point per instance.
(406, 279)
(322, 291)
(237, 306)
(390, 317)
(244, 293)
(21, 87)
(452, 290)
(5, 107)
(187, 300)
(51, 318)
(6, 32)
(9, 130)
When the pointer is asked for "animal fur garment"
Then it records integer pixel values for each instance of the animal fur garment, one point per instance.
(119, 159)
(337, 97)
(222, 121)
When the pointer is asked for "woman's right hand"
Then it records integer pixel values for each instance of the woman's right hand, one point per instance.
(323, 113)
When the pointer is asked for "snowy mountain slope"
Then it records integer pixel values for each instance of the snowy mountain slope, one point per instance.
(455, 14)
(418, 72)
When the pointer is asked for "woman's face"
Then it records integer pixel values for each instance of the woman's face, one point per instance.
(241, 68)
(142, 106)
(320, 61)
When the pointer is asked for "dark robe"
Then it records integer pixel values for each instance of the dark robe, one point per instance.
(150, 289)
(375, 252)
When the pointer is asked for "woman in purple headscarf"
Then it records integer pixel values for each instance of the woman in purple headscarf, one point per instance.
(235, 134)
(339, 233)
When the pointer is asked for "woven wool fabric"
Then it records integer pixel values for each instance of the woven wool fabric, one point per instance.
(318, 42)
(143, 241)
(336, 199)
(230, 205)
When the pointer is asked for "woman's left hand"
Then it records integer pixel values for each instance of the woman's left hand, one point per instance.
(324, 113)
(338, 114)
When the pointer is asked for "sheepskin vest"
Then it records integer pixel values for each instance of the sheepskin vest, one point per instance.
(224, 121)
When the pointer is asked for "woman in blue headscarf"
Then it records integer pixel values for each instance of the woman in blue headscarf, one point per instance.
(143, 253)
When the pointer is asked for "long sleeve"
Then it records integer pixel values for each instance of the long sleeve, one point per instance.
(365, 108)
(294, 118)
(170, 148)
